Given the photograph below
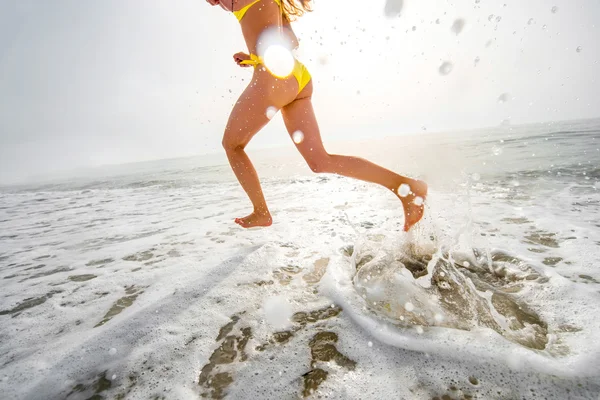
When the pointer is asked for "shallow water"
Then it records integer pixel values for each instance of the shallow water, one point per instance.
(139, 285)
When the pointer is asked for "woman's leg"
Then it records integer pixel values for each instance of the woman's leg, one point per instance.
(249, 115)
(299, 116)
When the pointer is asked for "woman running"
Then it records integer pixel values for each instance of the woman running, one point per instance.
(292, 95)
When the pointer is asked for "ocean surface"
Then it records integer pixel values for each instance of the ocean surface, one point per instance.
(133, 281)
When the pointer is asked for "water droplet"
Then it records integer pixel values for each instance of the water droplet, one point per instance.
(403, 190)
(578, 49)
(112, 351)
(419, 330)
(554, 10)
(438, 317)
(414, 28)
(298, 137)
(393, 8)
(271, 111)
(466, 264)
(490, 17)
(531, 21)
(418, 201)
(497, 150)
(476, 61)
(409, 306)
(503, 98)
(437, 21)
(370, 344)
(476, 176)
(114, 377)
(446, 68)
(458, 26)
(498, 18)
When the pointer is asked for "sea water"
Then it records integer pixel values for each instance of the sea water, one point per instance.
(134, 282)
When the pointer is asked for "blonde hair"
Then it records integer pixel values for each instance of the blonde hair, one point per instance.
(294, 9)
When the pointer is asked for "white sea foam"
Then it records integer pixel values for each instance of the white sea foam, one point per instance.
(144, 281)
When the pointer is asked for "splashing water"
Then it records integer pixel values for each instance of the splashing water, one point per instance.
(554, 10)
(393, 8)
(446, 68)
(298, 137)
(271, 111)
(503, 98)
(403, 190)
(458, 26)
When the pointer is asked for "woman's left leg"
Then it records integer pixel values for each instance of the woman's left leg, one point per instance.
(249, 115)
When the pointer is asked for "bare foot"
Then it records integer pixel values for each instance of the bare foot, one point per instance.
(413, 203)
(255, 219)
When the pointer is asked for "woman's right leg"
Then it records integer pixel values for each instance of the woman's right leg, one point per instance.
(299, 116)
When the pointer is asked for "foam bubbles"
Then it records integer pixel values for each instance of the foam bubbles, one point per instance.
(277, 312)
(298, 137)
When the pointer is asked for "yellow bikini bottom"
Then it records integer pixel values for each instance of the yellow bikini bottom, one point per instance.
(300, 72)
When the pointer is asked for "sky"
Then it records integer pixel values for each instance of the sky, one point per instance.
(86, 83)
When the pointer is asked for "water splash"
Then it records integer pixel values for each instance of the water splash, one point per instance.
(393, 8)
(403, 190)
(298, 137)
(503, 98)
(446, 68)
(458, 26)
(271, 111)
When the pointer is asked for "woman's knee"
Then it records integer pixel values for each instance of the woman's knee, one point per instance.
(231, 143)
(319, 163)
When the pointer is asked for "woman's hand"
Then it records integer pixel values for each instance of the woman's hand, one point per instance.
(213, 2)
(239, 57)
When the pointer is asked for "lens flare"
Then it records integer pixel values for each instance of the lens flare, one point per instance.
(279, 61)
(275, 49)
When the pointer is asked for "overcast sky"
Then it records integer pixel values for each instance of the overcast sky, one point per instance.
(86, 83)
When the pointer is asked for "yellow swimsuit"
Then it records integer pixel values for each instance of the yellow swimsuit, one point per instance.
(300, 72)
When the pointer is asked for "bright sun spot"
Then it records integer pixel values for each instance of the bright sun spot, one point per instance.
(279, 61)
(275, 51)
